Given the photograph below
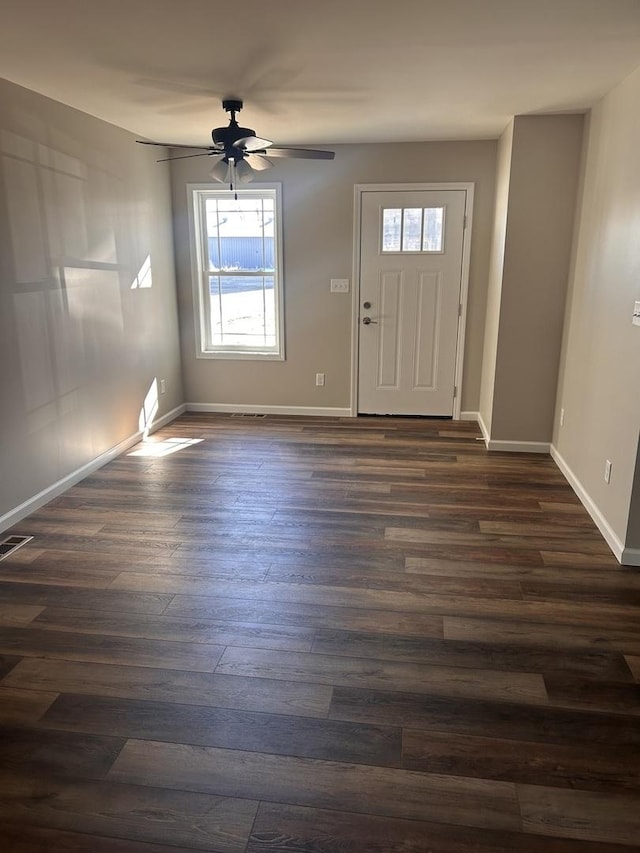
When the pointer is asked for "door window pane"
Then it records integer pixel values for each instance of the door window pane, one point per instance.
(432, 232)
(412, 229)
(391, 229)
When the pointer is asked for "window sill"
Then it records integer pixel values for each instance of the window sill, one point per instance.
(241, 356)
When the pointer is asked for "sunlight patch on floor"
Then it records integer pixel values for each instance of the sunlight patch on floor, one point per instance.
(164, 448)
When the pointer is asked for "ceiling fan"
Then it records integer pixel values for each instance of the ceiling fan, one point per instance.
(239, 152)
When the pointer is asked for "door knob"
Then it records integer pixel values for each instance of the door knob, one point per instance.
(367, 321)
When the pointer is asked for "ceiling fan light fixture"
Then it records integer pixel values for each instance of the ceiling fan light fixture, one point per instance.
(244, 172)
(258, 162)
(220, 171)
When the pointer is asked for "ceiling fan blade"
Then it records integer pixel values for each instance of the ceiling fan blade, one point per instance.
(186, 156)
(302, 153)
(258, 162)
(176, 145)
(252, 143)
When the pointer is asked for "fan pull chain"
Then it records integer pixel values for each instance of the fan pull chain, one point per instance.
(232, 175)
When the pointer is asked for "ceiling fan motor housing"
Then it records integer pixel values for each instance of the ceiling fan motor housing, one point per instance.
(227, 136)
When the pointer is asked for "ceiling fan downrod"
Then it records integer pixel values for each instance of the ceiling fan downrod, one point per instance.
(232, 106)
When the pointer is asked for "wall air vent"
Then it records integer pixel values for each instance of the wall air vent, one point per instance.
(247, 415)
(11, 543)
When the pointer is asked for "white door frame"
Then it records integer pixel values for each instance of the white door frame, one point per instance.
(359, 190)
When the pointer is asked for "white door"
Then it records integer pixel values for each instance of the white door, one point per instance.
(410, 281)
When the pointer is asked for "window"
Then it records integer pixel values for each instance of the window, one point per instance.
(237, 272)
(412, 229)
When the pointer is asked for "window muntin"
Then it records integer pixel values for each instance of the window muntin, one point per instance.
(238, 272)
(412, 229)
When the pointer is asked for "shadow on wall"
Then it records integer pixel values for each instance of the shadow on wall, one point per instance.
(72, 257)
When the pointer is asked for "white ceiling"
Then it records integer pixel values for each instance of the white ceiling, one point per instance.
(327, 71)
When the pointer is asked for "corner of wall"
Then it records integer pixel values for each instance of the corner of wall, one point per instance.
(632, 541)
(496, 265)
(545, 152)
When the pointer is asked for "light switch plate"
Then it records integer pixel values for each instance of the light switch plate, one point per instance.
(636, 314)
(339, 285)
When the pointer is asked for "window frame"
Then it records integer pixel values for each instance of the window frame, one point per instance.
(197, 197)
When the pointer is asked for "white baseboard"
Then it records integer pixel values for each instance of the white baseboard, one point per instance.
(510, 446)
(247, 408)
(518, 446)
(16, 515)
(57, 488)
(631, 557)
(483, 428)
(170, 416)
(470, 416)
(621, 554)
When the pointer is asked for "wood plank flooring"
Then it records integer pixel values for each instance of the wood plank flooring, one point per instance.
(252, 635)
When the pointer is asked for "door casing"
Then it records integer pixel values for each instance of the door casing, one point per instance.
(359, 189)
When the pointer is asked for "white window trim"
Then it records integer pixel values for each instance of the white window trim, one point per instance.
(195, 193)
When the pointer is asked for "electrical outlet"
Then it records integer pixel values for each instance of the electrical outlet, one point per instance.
(561, 417)
(319, 378)
(163, 386)
(607, 471)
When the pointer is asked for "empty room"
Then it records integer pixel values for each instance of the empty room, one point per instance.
(320, 426)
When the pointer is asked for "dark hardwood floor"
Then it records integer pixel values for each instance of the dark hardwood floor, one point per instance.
(365, 635)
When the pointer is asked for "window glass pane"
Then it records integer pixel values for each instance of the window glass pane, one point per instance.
(269, 295)
(214, 306)
(243, 311)
(412, 229)
(214, 253)
(391, 229)
(268, 262)
(432, 237)
(240, 234)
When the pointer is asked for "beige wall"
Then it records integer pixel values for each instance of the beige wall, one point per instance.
(318, 245)
(496, 267)
(526, 308)
(82, 207)
(600, 378)
(633, 526)
(545, 167)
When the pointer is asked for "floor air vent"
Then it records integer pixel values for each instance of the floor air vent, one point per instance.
(11, 544)
(247, 415)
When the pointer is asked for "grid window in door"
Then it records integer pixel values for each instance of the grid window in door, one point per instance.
(412, 229)
(239, 290)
